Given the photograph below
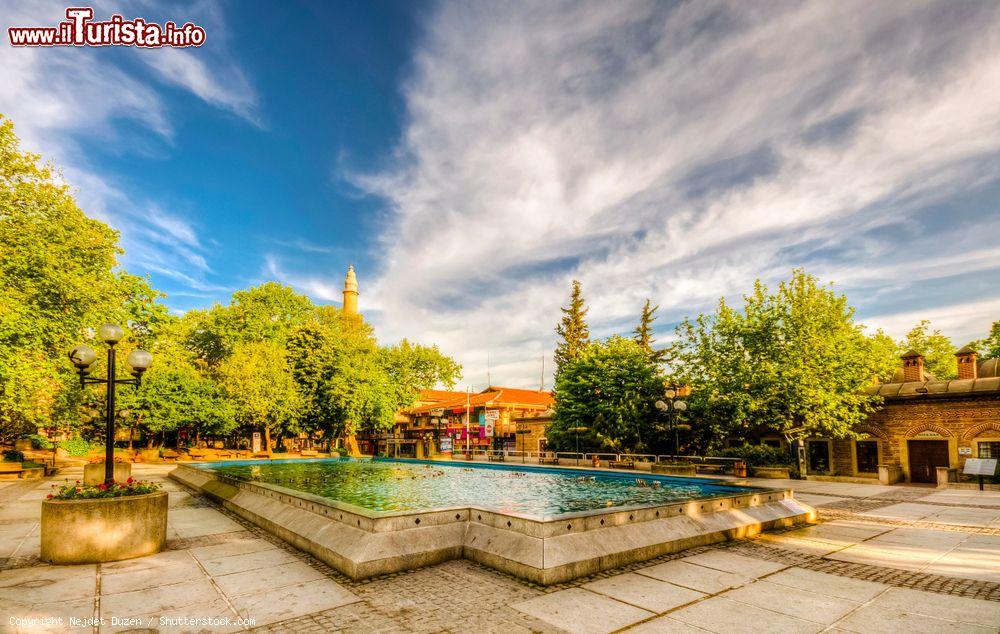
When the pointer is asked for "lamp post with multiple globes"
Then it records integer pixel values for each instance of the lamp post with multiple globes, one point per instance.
(83, 357)
(672, 407)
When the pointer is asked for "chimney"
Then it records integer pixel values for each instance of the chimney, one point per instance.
(913, 366)
(967, 366)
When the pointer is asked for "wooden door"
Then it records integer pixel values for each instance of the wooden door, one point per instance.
(925, 457)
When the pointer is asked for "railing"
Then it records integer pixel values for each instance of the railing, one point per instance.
(715, 464)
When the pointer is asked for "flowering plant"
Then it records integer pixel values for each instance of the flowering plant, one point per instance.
(79, 491)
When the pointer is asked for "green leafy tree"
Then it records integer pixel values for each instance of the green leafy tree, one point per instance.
(258, 382)
(792, 361)
(58, 280)
(610, 388)
(349, 383)
(644, 332)
(884, 354)
(572, 329)
(989, 348)
(938, 351)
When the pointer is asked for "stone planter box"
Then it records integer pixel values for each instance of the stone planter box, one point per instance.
(96, 531)
(93, 472)
(889, 474)
(674, 469)
(771, 472)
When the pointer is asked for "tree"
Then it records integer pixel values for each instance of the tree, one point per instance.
(644, 332)
(793, 361)
(572, 329)
(349, 383)
(610, 388)
(258, 382)
(989, 348)
(58, 280)
(938, 351)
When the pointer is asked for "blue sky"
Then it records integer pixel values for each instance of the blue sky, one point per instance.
(470, 159)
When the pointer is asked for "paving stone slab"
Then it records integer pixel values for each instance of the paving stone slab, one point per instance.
(738, 564)
(162, 599)
(796, 602)
(42, 584)
(255, 560)
(723, 616)
(260, 580)
(644, 592)
(273, 605)
(664, 625)
(695, 577)
(579, 611)
(827, 584)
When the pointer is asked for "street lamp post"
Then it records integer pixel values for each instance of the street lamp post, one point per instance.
(576, 432)
(83, 357)
(672, 406)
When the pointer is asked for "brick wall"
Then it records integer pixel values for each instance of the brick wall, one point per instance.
(960, 421)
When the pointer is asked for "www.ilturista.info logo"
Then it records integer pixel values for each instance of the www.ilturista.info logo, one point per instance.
(79, 29)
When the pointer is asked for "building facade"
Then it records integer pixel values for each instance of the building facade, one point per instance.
(923, 424)
(438, 419)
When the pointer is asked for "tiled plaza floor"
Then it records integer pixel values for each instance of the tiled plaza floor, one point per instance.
(885, 559)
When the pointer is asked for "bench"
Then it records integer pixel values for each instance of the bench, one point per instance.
(196, 454)
(709, 468)
(548, 460)
(622, 464)
(495, 457)
(10, 470)
(169, 454)
(309, 453)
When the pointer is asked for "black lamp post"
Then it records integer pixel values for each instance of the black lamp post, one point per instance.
(83, 358)
(576, 433)
(672, 406)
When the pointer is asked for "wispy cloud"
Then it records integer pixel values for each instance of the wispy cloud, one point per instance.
(61, 99)
(678, 152)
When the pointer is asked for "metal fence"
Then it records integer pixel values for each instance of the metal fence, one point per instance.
(703, 464)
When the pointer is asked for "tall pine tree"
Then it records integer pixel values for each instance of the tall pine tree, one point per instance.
(572, 329)
(644, 332)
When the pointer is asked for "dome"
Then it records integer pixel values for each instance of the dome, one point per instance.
(988, 369)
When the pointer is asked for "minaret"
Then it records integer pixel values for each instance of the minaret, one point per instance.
(351, 292)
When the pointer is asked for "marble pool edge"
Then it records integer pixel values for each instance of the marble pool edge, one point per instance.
(361, 544)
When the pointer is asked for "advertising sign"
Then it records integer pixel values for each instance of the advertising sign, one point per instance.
(492, 415)
(488, 428)
(445, 442)
(256, 442)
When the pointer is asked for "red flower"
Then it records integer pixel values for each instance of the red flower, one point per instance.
(102, 486)
(49, 496)
(130, 481)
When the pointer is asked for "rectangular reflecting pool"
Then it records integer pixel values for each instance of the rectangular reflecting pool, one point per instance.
(369, 517)
(408, 485)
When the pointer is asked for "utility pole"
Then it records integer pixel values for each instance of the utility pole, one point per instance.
(468, 416)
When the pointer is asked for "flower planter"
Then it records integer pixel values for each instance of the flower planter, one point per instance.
(102, 530)
(771, 472)
(93, 472)
(674, 469)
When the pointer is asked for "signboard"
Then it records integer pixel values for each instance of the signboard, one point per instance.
(488, 428)
(445, 442)
(437, 413)
(492, 415)
(980, 466)
(965, 451)
(256, 442)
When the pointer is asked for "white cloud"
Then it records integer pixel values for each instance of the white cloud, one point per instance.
(677, 153)
(60, 99)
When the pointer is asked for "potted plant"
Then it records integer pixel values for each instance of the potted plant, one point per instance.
(108, 522)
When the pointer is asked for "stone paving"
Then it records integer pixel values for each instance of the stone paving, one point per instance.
(884, 559)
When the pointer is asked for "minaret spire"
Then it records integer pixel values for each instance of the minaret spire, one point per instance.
(351, 292)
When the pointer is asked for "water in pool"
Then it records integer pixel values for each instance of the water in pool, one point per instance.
(389, 485)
